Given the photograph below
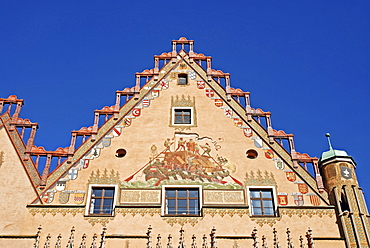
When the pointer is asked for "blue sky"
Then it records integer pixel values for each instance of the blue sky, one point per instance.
(305, 61)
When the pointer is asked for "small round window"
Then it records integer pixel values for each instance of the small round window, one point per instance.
(120, 153)
(252, 154)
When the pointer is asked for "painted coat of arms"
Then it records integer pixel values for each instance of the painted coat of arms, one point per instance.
(298, 200)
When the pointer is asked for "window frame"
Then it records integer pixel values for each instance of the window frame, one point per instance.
(90, 198)
(164, 210)
(273, 200)
(182, 124)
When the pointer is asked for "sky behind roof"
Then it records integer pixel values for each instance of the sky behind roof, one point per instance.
(307, 62)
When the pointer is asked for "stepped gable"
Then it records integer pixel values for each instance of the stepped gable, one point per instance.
(119, 115)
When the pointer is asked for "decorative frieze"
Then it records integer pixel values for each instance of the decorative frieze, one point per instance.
(223, 197)
(56, 210)
(105, 178)
(140, 196)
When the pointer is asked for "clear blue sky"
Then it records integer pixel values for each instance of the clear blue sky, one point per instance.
(308, 62)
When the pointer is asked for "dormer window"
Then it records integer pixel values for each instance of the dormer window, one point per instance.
(182, 79)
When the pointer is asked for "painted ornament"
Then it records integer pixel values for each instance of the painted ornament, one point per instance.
(315, 200)
(283, 199)
(228, 112)
(201, 85)
(72, 174)
(248, 132)
(210, 93)
(79, 197)
(136, 112)
(164, 85)
(298, 200)
(116, 131)
(192, 75)
(218, 102)
(303, 188)
(155, 93)
(64, 197)
(269, 154)
(290, 175)
(258, 142)
(127, 122)
(146, 103)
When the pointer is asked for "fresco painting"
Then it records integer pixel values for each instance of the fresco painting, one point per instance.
(187, 156)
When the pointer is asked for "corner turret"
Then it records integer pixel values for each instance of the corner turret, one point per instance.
(340, 180)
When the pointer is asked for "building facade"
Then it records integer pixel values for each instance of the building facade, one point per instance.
(181, 160)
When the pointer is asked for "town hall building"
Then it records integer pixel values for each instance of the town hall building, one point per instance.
(181, 160)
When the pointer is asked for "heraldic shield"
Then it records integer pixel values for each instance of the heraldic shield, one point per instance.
(298, 200)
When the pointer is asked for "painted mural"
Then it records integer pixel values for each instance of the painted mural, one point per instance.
(186, 158)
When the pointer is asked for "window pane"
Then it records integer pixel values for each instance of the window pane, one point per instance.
(108, 202)
(256, 203)
(171, 203)
(181, 193)
(266, 194)
(170, 193)
(187, 119)
(182, 203)
(171, 211)
(109, 193)
(267, 203)
(178, 119)
(193, 193)
(193, 203)
(97, 192)
(257, 211)
(269, 211)
(255, 194)
(182, 210)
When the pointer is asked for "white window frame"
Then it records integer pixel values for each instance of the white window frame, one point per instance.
(181, 124)
(88, 200)
(164, 209)
(274, 198)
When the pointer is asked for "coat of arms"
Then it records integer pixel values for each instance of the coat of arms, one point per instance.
(283, 199)
(72, 174)
(164, 85)
(314, 199)
(228, 112)
(64, 197)
(290, 175)
(269, 154)
(155, 93)
(48, 197)
(210, 93)
(127, 122)
(136, 112)
(247, 132)
(298, 200)
(279, 164)
(303, 188)
(201, 85)
(218, 102)
(79, 197)
(146, 103)
(61, 184)
(116, 131)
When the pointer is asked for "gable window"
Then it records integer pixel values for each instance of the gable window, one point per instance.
(262, 202)
(102, 201)
(182, 79)
(182, 116)
(182, 201)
